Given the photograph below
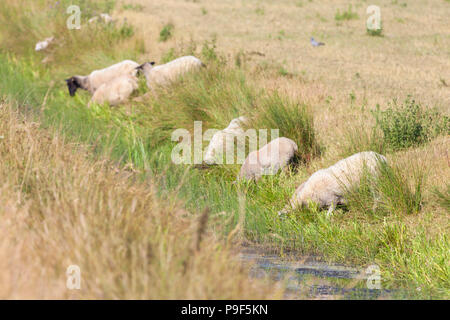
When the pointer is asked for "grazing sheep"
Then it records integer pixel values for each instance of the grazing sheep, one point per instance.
(327, 187)
(269, 159)
(42, 45)
(104, 16)
(219, 139)
(166, 73)
(98, 77)
(115, 91)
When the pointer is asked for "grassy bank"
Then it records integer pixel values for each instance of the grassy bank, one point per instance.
(410, 246)
(61, 207)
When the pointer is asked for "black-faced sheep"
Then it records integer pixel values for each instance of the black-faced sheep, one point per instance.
(98, 77)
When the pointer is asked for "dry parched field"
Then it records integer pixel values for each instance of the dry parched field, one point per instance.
(96, 187)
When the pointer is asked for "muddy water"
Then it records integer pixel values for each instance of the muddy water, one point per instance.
(308, 278)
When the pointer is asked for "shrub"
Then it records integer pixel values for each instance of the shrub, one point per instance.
(410, 124)
(166, 32)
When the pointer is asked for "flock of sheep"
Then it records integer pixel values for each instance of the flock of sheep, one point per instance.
(116, 83)
(326, 187)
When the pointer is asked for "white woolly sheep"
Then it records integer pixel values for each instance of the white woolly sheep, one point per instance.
(268, 160)
(104, 16)
(218, 141)
(327, 187)
(115, 91)
(42, 45)
(166, 73)
(98, 77)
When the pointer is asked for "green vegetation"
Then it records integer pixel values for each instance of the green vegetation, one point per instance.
(443, 197)
(410, 124)
(166, 32)
(398, 127)
(375, 32)
(346, 15)
(133, 7)
(137, 135)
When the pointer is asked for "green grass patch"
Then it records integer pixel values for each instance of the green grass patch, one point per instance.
(138, 135)
(166, 32)
(348, 14)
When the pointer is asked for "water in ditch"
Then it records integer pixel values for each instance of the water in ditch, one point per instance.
(309, 278)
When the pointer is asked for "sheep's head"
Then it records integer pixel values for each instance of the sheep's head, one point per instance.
(145, 67)
(73, 84)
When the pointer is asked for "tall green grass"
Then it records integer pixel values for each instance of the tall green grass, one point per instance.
(392, 190)
(138, 135)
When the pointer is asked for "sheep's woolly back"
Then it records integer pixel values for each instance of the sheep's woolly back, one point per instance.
(269, 159)
(166, 73)
(220, 138)
(99, 77)
(115, 91)
(327, 186)
(42, 45)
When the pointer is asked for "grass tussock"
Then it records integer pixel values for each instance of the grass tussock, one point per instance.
(61, 208)
(392, 190)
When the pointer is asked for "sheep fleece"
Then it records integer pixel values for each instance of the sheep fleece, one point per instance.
(116, 91)
(266, 160)
(327, 186)
(166, 73)
(219, 139)
(103, 76)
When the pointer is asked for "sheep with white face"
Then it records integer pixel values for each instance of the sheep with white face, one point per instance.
(327, 187)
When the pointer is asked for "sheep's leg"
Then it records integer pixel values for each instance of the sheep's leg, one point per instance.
(331, 209)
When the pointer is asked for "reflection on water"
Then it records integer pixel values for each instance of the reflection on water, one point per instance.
(307, 278)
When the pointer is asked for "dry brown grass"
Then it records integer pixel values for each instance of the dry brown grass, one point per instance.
(60, 207)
